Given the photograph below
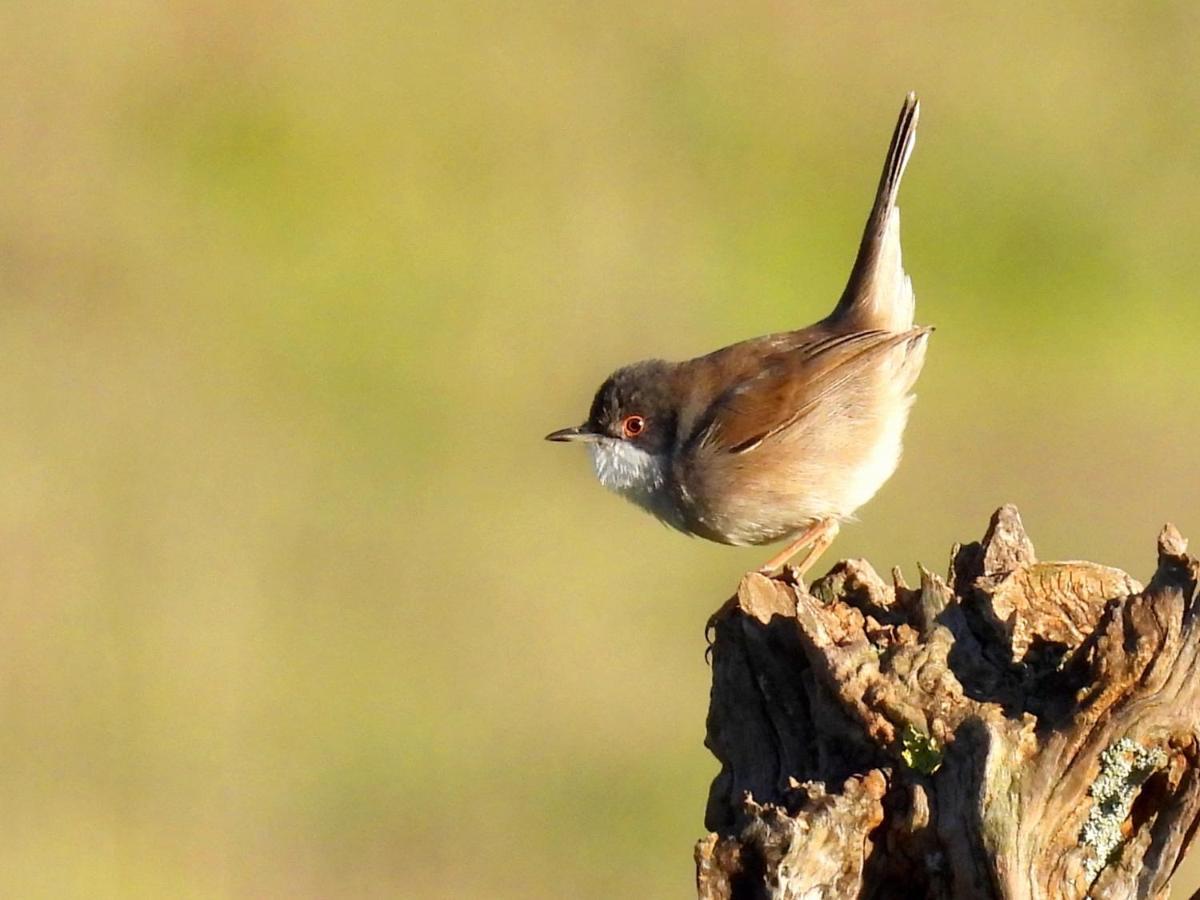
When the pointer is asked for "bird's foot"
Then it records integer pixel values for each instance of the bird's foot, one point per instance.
(817, 537)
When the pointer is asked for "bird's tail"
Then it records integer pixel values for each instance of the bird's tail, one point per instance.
(879, 293)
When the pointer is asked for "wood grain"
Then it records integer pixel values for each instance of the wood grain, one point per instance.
(1019, 729)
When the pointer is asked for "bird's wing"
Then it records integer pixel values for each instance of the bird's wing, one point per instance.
(792, 384)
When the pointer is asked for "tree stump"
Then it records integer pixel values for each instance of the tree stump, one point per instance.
(1018, 730)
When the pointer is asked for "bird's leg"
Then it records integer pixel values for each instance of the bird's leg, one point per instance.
(813, 534)
(819, 535)
(826, 536)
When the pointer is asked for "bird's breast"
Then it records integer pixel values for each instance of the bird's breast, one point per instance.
(638, 476)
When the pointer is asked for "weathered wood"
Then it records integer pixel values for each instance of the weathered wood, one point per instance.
(1021, 729)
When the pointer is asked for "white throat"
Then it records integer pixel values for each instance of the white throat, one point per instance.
(630, 471)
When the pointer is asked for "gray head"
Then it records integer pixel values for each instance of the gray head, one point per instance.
(630, 432)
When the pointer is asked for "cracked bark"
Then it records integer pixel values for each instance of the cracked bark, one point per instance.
(1020, 729)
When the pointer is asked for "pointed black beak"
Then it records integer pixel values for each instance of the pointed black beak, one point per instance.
(578, 433)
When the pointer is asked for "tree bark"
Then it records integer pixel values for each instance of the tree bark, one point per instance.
(1017, 730)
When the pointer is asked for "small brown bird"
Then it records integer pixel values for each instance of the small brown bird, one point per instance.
(782, 436)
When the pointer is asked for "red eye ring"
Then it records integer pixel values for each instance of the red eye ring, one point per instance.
(632, 426)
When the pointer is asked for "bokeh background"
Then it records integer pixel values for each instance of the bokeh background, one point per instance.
(294, 600)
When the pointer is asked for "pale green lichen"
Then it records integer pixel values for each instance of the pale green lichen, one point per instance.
(920, 751)
(1124, 768)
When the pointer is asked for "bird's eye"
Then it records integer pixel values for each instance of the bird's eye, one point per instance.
(632, 426)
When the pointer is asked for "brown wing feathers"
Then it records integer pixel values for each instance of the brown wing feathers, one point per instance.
(793, 384)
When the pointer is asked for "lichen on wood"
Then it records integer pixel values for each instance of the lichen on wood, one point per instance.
(1018, 729)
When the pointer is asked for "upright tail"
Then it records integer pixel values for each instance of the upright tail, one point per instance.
(879, 293)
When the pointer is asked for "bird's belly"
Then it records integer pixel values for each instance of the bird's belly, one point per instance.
(753, 513)
(743, 527)
(878, 462)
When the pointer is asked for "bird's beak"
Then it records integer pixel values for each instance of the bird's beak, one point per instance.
(578, 433)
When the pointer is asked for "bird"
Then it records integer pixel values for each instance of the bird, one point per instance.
(784, 436)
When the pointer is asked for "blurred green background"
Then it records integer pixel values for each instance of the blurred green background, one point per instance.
(295, 600)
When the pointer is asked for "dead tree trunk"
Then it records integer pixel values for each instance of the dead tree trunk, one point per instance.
(1020, 730)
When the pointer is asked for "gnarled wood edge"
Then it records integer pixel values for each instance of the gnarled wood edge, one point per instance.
(1017, 729)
